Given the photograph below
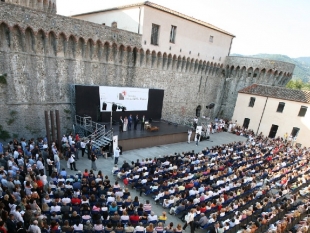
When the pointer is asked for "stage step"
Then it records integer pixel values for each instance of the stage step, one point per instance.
(97, 132)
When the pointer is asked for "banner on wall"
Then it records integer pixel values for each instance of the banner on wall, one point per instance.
(134, 99)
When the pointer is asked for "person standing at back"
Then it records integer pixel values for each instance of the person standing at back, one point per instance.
(142, 122)
(89, 148)
(136, 120)
(189, 135)
(129, 122)
(83, 146)
(93, 162)
(116, 155)
(121, 124)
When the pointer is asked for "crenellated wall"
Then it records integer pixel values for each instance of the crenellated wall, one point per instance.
(241, 72)
(49, 6)
(43, 53)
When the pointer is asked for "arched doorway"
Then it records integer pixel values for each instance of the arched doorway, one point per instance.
(198, 111)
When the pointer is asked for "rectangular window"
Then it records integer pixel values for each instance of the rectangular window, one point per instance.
(295, 131)
(280, 107)
(246, 123)
(173, 34)
(155, 33)
(302, 111)
(211, 39)
(252, 102)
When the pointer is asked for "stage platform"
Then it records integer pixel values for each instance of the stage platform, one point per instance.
(135, 139)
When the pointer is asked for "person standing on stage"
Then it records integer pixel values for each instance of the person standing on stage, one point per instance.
(116, 155)
(142, 122)
(125, 124)
(189, 135)
(135, 122)
(121, 124)
(129, 122)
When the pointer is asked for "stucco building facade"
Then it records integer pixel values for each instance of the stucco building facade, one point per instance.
(167, 31)
(274, 111)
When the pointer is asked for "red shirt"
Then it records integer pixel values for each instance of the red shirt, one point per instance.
(75, 201)
(39, 183)
(134, 218)
(3, 229)
(189, 185)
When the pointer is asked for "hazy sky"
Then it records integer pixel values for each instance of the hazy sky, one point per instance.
(260, 26)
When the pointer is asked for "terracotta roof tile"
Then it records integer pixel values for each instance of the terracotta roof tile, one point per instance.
(278, 93)
(165, 9)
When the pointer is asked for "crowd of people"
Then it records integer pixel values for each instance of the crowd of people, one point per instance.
(259, 184)
(213, 189)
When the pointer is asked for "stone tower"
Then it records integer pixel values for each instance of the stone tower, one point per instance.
(48, 6)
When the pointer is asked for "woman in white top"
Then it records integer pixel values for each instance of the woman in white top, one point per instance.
(78, 227)
(125, 216)
(189, 218)
(98, 226)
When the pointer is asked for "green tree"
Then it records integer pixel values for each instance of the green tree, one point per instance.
(298, 84)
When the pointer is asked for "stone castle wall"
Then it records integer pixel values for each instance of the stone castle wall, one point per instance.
(48, 6)
(241, 72)
(43, 53)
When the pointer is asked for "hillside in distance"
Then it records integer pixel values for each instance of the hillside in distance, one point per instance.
(302, 64)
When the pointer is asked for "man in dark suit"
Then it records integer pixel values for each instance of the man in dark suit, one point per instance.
(214, 228)
(135, 122)
(10, 223)
(129, 122)
(121, 124)
(142, 122)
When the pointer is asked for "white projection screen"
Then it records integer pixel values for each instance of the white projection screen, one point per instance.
(134, 99)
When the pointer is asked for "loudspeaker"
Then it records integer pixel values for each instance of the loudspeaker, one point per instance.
(104, 107)
(114, 107)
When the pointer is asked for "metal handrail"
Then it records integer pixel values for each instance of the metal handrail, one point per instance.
(98, 131)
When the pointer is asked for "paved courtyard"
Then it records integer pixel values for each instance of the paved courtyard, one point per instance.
(105, 165)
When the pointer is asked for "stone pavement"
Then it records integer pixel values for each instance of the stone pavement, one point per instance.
(105, 165)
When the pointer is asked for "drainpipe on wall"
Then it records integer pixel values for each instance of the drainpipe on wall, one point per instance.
(262, 116)
(139, 20)
(230, 46)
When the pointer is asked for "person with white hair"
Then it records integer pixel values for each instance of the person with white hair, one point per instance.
(152, 217)
(34, 228)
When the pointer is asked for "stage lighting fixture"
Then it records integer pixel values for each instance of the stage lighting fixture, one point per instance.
(114, 107)
(123, 109)
(104, 106)
(119, 107)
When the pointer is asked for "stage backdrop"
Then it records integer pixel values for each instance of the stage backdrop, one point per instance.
(134, 99)
(88, 102)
